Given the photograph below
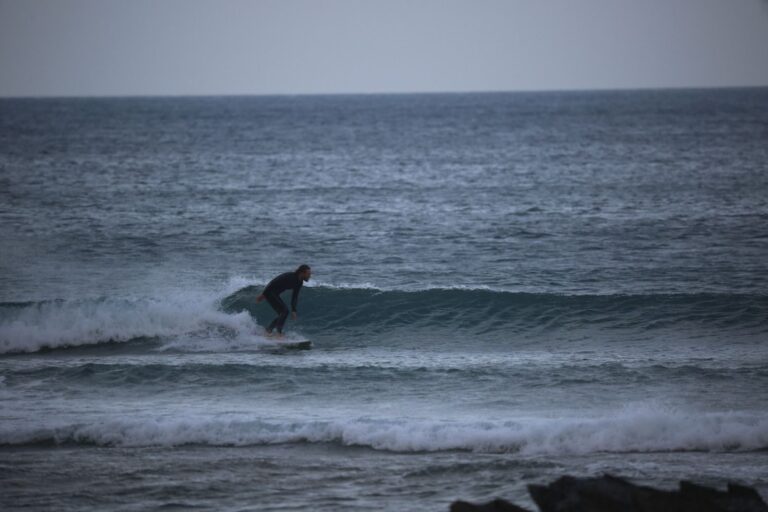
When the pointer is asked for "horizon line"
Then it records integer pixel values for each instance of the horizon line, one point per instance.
(378, 93)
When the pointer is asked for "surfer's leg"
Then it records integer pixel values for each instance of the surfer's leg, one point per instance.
(282, 312)
(281, 320)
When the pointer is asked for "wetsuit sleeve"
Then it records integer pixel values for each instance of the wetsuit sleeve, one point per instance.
(295, 297)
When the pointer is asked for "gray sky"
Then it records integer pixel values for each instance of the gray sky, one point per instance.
(134, 47)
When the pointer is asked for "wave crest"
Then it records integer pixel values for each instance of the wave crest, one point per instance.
(626, 432)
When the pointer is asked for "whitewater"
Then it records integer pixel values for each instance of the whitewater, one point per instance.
(506, 288)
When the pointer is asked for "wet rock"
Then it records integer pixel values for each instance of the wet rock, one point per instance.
(497, 505)
(612, 494)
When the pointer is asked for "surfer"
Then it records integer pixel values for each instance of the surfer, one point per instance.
(287, 281)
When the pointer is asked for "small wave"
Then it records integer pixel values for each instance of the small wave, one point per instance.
(630, 431)
(523, 372)
(482, 310)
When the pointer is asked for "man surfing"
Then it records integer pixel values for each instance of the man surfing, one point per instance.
(287, 281)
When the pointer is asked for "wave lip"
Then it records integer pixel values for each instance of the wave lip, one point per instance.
(628, 432)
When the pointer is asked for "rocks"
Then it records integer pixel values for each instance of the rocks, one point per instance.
(612, 494)
(497, 505)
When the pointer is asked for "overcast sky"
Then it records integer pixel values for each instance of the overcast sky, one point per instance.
(161, 47)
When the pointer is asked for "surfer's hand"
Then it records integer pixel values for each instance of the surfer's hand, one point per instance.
(260, 298)
(294, 315)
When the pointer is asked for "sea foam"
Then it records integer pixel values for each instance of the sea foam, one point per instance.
(63, 323)
(637, 430)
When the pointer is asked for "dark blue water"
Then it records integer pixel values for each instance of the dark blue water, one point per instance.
(506, 288)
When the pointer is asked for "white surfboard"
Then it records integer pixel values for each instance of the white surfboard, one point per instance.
(283, 341)
(288, 343)
(295, 344)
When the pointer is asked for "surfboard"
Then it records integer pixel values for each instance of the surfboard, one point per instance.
(288, 343)
(294, 344)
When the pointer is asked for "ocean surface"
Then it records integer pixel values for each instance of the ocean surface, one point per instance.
(506, 288)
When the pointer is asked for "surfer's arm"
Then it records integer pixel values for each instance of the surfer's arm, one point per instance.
(295, 299)
(260, 298)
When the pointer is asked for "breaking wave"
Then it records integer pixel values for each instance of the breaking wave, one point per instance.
(30, 327)
(632, 430)
(34, 326)
(485, 309)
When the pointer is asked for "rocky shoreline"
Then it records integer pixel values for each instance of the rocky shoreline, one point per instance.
(612, 494)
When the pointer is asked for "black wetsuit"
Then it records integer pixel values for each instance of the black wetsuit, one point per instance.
(283, 282)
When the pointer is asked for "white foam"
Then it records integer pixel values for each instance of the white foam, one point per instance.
(92, 321)
(627, 431)
(341, 285)
(334, 285)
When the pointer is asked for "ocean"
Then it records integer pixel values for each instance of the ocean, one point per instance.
(507, 288)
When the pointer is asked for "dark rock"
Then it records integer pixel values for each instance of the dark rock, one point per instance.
(497, 505)
(612, 494)
(568, 494)
(738, 498)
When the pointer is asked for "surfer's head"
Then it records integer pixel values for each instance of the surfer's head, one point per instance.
(304, 272)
